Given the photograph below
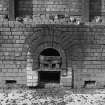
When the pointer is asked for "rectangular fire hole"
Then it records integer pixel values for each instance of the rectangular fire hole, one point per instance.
(49, 76)
(89, 84)
(10, 81)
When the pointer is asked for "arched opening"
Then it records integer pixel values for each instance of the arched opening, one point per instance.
(50, 59)
(50, 52)
(50, 66)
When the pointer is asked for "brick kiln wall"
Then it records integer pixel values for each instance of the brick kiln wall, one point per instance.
(11, 61)
(40, 9)
(88, 57)
(83, 44)
(51, 6)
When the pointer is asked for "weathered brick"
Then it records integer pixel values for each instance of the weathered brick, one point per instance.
(83, 45)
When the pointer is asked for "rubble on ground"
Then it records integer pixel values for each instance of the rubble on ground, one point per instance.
(51, 96)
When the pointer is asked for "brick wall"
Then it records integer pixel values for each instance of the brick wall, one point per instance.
(47, 9)
(89, 64)
(41, 9)
(11, 61)
(60, 6)
(82, 45)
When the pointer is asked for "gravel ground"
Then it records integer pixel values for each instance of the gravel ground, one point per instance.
(51, 96)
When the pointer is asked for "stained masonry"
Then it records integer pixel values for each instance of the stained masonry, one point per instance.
(81, 47)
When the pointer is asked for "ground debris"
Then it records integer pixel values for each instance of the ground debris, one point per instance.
(51, 96)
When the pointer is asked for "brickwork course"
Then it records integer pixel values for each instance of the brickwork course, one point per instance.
(81, 47)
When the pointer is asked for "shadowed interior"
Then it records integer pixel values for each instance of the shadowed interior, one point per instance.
(50, 52)
(49, 76)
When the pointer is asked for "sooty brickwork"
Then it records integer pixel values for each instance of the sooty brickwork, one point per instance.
(42, 9)
(81, 48)
(80, 61)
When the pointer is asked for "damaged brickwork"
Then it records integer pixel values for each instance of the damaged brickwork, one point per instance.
(80, 46)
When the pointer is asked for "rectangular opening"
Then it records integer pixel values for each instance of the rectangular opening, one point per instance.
(95, 8)
(46, 66)
(89, 84)
(23, 8)
(53, 66)
(49, 76)
(10, 81)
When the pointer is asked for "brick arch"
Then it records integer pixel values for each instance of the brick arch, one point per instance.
(48, 45)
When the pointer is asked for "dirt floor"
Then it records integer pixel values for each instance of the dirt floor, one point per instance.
(18, 95)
